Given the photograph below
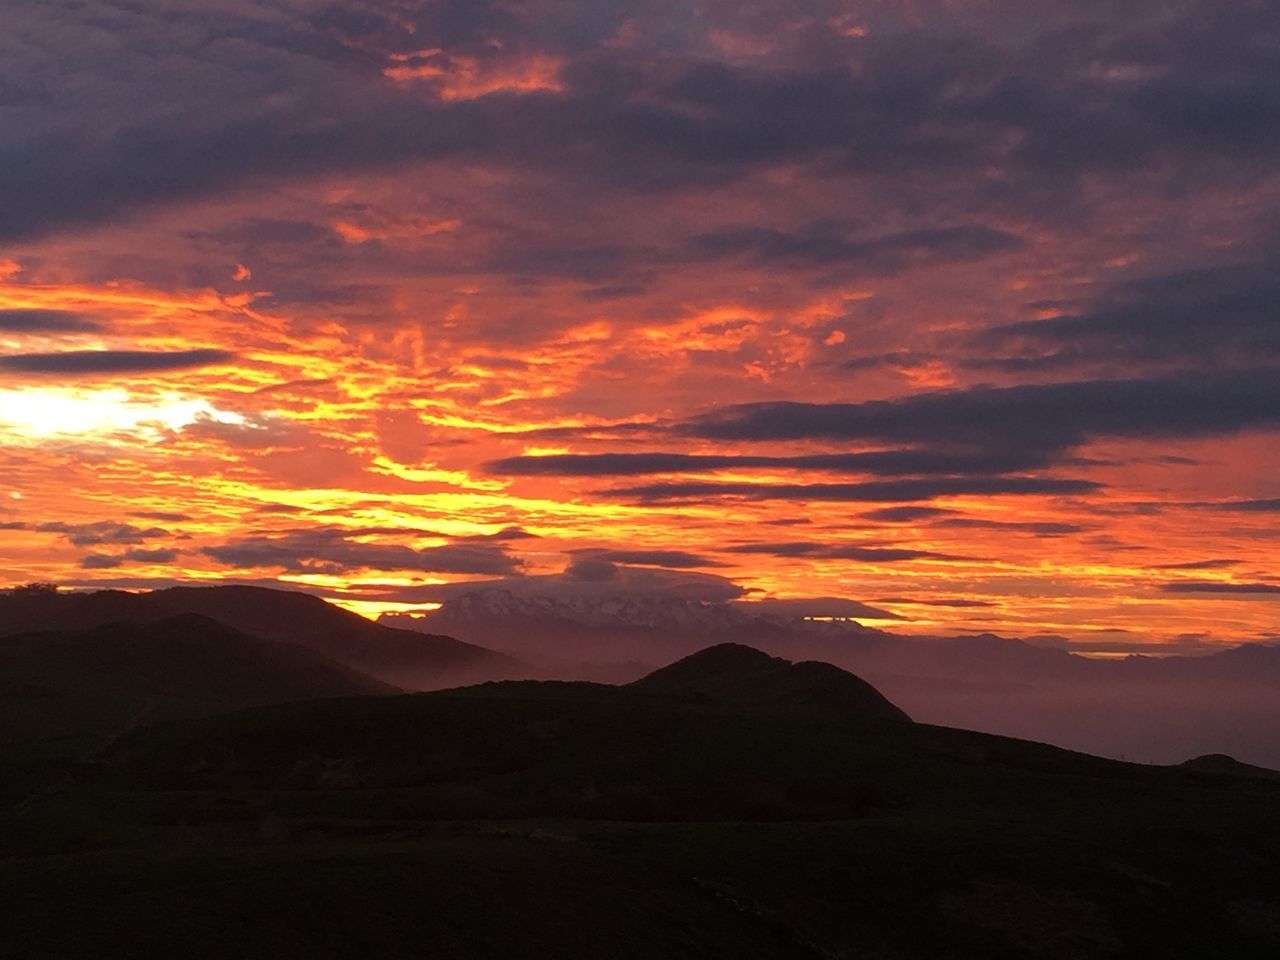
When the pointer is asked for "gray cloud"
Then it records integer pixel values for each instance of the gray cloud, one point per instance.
(98, 561)
(837, 551)
(1224, 314)
(101, 533)
(1051, 418)
(45, 321)
(964, 96)
(671, 559)
(1218, 564)
(905, 514)
(872, 492)
(829, 243)
(878, 462)
(1216, 586)
(1039, 528)
(1271, 505)
(585, 579)
(111, 361)
(331, 550)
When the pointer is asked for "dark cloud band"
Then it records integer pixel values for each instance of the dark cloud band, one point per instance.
(87, 362)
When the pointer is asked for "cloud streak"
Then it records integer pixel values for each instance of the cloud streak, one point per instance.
(93, 362)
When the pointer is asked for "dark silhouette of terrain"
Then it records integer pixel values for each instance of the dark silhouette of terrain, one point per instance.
(403, 658)
(1220, 765)
(1152, 709)
(1149, 709)
(186, 658)
(734, 673)
(730, 805)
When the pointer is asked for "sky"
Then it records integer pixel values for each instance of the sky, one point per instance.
(961, 310)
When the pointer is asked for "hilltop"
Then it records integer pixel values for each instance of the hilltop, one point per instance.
(735, 673)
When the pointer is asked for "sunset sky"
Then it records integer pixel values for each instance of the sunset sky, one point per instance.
(966, 310)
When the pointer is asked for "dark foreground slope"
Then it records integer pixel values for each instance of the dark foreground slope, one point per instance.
(404, 658)
(579, 820)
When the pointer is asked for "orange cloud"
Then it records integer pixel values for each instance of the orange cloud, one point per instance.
(459, 78)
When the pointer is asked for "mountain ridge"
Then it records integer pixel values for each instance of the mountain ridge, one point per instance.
(398, 657)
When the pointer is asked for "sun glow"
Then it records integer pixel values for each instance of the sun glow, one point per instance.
(40, 412)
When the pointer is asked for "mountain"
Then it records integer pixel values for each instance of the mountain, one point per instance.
(403, 658)
(734, 673)
(621, 638)
(1154, 709)
(418, 661)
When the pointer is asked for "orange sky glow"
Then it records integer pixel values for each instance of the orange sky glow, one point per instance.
(336, 361)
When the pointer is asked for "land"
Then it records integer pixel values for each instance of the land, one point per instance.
(183, 787)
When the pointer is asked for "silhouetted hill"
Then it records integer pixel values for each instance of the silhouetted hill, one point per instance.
(32, 611)
(728, 733)
(182, 657)
(734, 673)
(419, 661)
(403, 658)
(1219, 764)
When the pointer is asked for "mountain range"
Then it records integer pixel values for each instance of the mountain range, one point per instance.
(1152, 709)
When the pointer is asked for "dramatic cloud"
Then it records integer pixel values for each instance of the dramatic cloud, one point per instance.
(1226, 314)
(98, 561)
(1232, 589)
(878, 462)
(826, 243)
(110, 361)
(329, 550)
(45, 321)
(1051, 418)
(672, 559)
(91, 534)
(1220, 564)
(1269, 505)
(827, 551)
(906, 514)
(597, 299)
(587, 579)
(1033, 527)
(878, 491)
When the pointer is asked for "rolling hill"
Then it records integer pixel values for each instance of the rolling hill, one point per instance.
(403, 658)
(734, 673)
